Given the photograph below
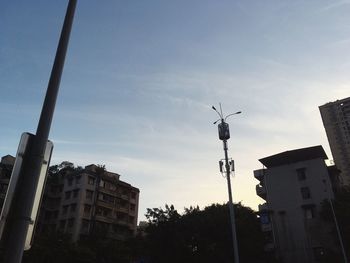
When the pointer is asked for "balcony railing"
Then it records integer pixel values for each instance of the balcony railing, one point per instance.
(105, 204)
(261, 191)
(259, 174)
(263, 207)
(266, 227)
(125, 197)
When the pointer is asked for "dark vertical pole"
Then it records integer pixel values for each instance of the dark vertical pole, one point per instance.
(230, 204)
(44, 125)
(21, 208)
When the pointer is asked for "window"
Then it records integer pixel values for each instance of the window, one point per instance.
(301, 174)
(62, 224)
(84, 225)
(112, 187)
(309, 213)
(53, 189)
(64, 209)
(89, 194)
(67, 194)
(70, 222)
(77, 180)
(132, 207)
(101, 211)
(91, 180)
(55, 214)
(102, 183)
(47, 215)
(305, 192)
(264, 218)
(106, 198)
(70, 181)
(73, 207)
(133, 195)
(75, 193)
(87, 209)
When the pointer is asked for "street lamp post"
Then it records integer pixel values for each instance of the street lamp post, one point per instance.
(224, 135)
(19, 216)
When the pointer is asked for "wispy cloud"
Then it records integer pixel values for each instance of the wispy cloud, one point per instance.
(334, 5)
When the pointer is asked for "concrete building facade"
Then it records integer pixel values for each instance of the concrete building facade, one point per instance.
(293, 185)
(6, 164)
(89, 201)
(336, 121)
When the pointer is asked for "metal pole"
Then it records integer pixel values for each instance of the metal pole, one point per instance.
(230, 204)
(329, 190)
(20, 211)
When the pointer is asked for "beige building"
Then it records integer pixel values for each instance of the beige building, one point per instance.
(293, 185)
(89, 201)
(336, 121)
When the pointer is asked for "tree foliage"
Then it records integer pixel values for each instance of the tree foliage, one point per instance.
(201, 235)
(196, 235)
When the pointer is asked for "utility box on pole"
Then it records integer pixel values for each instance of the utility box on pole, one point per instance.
(224, 131)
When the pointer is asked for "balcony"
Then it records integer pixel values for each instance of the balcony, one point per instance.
(125, 197)
(259, 174)
(123, 209)
(266, 227)
(122, 222)
(105, 204)
(108, 191)
(263, 207)
(261, 191)
(104, 219)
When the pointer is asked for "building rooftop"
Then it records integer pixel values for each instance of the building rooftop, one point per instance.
(294, 156)
(345, 100)
(8, 159)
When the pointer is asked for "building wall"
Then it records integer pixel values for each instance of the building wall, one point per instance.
(84, 203)
(294, 228)
(6, 165)
(336, 121)
(78, 201)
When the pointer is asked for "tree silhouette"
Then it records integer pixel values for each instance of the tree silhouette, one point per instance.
(201, 235)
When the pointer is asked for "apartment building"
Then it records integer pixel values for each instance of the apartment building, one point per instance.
(294, 184)
(6, 164)
(89, 201)
(336, 120)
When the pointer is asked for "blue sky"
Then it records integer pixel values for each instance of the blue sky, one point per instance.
(140, 78)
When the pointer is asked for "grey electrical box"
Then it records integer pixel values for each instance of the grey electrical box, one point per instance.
(224, 131)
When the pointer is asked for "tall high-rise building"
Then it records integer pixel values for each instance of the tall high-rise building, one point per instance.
(336, 120)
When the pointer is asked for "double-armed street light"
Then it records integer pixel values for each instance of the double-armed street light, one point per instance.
(224, 135)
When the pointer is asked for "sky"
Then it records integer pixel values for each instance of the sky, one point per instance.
(141, 76)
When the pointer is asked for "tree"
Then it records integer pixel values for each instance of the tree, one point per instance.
(201, 235)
